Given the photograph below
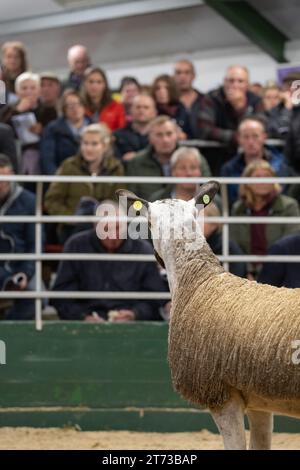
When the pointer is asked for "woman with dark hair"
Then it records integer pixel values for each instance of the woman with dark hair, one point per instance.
(166, 96)
(129, 89)
(61, 138)
(99, 105)
(14, 62)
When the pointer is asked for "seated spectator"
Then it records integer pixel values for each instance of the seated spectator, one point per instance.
(99, 105)
(129, 89)
(252, 141)
(166, 96)
(8, 145)
(61, 138)
(277, 111)
(79, 61)
(50, 89)
(257, 89)
(283, 274)
(134, 136)
(16, 238)
(108, 276)
(225, 107)
(155, 159)
(14, 63)
(213, 235)
(28, 117)
(94, 159)
(185, 162)
(192, 99)
(263, 199)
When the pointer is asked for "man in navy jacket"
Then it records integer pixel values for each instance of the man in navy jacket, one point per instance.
(108, 276)
(283, 274)
(16, 238)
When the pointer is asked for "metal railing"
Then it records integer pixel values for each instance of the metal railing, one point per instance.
(40, 219)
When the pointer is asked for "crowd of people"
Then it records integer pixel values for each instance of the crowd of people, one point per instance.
(79, 126)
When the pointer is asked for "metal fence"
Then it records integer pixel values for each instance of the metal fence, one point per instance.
(38, 294)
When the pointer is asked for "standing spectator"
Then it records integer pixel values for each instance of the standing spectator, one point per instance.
(129, 89)
(16, 238)
(166, 96)
(8, 145)
(134, 136)
(14, 62)
(108, 275)
(191, 98)
(262, 199)
(61, 138)
(277, 110)
(79, 61)
(225, 107)
(99, 105)
(252, 138)
(95, 159)
(291, 95)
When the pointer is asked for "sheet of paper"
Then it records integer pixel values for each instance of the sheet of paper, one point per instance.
(22, 124)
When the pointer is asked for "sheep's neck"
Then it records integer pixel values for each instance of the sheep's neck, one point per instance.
(192, 262)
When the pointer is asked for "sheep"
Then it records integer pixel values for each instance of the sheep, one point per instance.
(230, 345)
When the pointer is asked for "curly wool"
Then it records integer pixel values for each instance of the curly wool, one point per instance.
(230, 332)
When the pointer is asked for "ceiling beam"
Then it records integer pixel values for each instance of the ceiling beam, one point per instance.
(252, 24)
(89, 15)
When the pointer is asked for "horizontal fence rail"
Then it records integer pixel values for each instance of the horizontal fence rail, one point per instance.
(38, 294)
(142, 258)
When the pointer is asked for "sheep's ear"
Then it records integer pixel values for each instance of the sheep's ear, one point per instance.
(207, 193)
(130, 196)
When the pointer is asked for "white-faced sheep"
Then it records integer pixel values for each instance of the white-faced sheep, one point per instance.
(230, 339)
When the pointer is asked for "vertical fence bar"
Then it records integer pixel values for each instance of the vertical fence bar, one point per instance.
(225, 226)
(38, 251)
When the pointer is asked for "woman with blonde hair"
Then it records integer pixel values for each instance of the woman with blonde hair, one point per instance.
(95, 158)
(261, 200)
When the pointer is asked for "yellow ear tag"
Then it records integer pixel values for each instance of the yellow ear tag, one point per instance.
(206, 199)
(137, 205)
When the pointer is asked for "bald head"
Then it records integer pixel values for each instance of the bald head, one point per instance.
(236, 77)
(78, 59)
(184, 75)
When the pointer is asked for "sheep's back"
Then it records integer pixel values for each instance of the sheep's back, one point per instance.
(234, 333)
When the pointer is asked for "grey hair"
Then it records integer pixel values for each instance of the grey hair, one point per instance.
(182, 152)
(33, 77)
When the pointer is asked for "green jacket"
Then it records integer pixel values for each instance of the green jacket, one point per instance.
(282, 206)
(63, 198)
(144, 164)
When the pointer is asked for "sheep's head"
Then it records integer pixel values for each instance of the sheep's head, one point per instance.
(172, 219)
